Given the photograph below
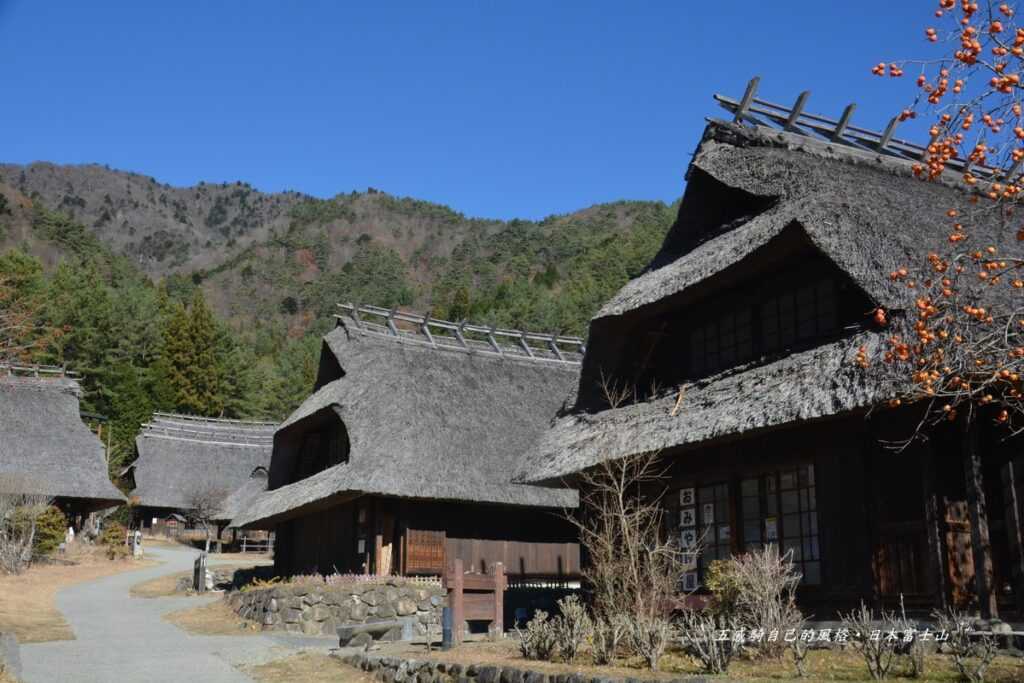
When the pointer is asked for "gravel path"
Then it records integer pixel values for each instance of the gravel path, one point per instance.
(120, 638)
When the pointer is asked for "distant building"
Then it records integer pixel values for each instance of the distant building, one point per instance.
(401, 459)
(45, 448)
(183, 459)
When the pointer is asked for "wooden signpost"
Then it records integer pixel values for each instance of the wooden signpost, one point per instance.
(476, 597)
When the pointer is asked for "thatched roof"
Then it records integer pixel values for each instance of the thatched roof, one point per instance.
(44, 445)
(752, 194)
(423, 421)
(181, 456)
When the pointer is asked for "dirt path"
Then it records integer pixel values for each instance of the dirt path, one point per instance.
(120, 638)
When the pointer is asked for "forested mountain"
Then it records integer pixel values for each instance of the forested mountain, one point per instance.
(211, 299)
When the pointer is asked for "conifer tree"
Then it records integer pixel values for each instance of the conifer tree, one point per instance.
(205, 371)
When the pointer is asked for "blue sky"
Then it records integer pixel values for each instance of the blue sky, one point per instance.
(513, 109)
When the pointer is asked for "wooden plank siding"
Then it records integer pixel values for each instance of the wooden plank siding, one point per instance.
(411, 537)
(890, 522)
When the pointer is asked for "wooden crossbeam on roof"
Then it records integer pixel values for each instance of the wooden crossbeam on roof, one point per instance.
(33, 370)
(795, 120)
(214, 420)
(463, 336)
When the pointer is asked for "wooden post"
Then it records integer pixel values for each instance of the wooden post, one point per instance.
(980, 543)
(936, 548)
(455, 601)
(498, 625)
(1012, 474)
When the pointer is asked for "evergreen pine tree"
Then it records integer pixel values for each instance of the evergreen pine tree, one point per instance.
(206, 371)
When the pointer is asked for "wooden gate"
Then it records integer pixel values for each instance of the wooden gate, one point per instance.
(476, 597)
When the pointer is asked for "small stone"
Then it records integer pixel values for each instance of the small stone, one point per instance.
(536, 677)
(405, 607)
(320, 613)
(386, 611)
(436, 600)
(358, 612)
(291, 615)
(311, 628)
(371, 598)
(360, 640)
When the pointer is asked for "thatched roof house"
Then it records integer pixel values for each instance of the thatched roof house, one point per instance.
(183, 457)
(45, 447)
(412, 410)
(740, 339)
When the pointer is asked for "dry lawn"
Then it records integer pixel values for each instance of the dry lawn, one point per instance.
(822, 665)
(27, 606)
(309, 667)
(213, 619)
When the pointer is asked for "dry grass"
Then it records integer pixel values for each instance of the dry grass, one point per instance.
(309, 667)
(6, 678)
(27, 606)
(822, 665)
(213, 619)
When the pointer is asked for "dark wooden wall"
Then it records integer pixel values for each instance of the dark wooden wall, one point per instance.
(530, 542)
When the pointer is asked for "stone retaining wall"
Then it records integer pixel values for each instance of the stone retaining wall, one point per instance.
(319, 609)
(401, 670)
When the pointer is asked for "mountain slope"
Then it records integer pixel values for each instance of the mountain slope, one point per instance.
(277, 263)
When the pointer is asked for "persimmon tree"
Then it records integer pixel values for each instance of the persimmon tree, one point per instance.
(958, 345)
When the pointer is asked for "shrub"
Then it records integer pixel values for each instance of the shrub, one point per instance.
(608, 632)
(762, 587)
(723, 584)
(537, 641)
(878, 652)
(113, 539)
(51, 526)
(971, 653)
(649, 636)
(18, 516)
(571, 627)
(699, 633)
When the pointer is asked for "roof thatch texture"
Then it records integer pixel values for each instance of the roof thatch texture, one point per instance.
(44, 445)
(864, 212)
(422, 422)
(181, 457)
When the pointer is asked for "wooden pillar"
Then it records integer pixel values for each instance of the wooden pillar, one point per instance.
(1013, 475)
(936, 560)
(455, 580)
(498, 625)
(980, 542)
(376, 524)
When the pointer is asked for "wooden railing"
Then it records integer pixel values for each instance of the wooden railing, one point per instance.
(463, 336)
(794, 120)
(23, 370)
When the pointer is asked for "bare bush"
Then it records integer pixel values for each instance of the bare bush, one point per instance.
(649, 637)
(571, 627)
(608, 633)
(706, 636)
(972, 652)
(204, 506)
(765, 594)
(19, 516)
(537, 640)
(911, 645)
(866, 638)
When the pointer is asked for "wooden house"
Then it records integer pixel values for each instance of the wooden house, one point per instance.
(401, 459)
(45, 448)
(183, 459)
(741, 340)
